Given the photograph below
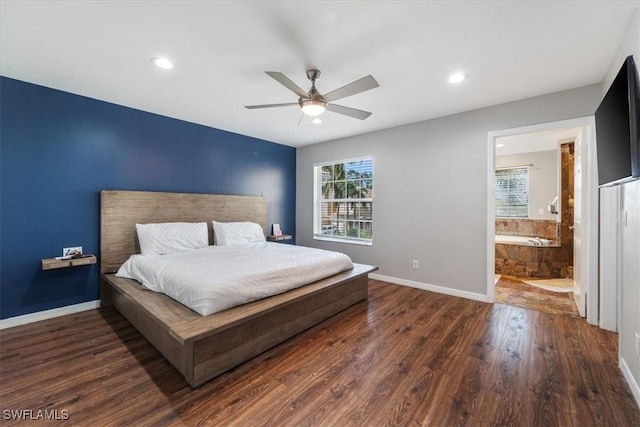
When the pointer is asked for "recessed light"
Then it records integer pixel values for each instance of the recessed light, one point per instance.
(163, 63)
(499, 145)
(316, 121)
(456, 78)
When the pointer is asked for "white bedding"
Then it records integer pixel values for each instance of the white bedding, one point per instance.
(212, 279)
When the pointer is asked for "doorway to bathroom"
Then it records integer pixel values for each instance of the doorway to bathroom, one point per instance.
(534, 200)
(539, 241)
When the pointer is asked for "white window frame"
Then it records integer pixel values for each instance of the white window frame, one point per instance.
(317, 203)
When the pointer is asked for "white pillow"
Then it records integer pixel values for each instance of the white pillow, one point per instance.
(170, 237)
(236, 233)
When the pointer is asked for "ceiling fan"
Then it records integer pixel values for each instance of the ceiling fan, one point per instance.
(313, 103)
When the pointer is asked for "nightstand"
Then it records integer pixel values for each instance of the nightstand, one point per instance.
(52, 263)
(272, 238)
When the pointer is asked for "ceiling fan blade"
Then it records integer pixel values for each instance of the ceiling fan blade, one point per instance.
(286, 104)
(286, 82)
(361, 85)
(348, 111)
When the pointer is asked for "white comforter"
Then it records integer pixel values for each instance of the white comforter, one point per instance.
(215, 278)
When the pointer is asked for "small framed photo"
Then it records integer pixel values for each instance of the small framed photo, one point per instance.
(276, 230)
(73, 252)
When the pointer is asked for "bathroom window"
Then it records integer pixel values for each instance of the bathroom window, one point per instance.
(512, 192)
(343, 200)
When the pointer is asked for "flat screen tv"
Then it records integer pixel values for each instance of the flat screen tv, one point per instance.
(618, 128)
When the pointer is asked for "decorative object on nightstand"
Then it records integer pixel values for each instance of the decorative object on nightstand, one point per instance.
(53, 263)
(277, 235)
(274, 238)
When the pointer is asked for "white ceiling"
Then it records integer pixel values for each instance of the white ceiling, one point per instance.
(509, 49)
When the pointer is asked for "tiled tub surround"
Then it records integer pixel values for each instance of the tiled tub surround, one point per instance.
(543, 262)
(544, 229)
(523, 260)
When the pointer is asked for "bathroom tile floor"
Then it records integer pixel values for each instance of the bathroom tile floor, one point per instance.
(512, 290)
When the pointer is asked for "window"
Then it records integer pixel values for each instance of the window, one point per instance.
(344, 201)
(512, 192)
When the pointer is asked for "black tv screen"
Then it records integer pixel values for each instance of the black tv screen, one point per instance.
(618, 128)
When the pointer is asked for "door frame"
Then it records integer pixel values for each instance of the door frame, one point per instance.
(589, 255)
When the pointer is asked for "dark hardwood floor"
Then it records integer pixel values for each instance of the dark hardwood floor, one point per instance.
(405, 357)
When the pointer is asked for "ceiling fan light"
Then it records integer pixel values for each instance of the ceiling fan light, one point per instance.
(313, 107)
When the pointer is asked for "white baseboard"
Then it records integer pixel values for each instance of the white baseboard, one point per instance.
(48, 314)
(631, 381)
(433, 288)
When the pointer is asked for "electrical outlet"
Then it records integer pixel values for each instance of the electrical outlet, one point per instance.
(74, 250)
(416, 264)
(637, 336)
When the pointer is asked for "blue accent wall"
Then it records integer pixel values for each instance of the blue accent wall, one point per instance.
(59, 150)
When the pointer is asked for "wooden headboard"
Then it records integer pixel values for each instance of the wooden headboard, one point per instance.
(120, 211)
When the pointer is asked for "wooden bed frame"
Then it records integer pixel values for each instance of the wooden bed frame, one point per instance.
(203, 347)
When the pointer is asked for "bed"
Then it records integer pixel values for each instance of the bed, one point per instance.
(203, 347)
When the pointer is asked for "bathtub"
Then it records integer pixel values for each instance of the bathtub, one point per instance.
(521, 240)
(526, 256)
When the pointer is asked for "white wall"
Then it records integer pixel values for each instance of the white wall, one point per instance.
(430, 184)
(629, 232)
(629, 45)
(543, 179)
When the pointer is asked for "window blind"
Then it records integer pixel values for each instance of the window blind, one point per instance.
(512, 192)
